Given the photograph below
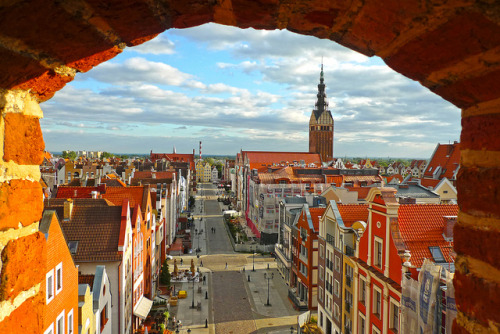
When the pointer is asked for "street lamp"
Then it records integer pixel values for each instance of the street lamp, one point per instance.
(253, 261)
(268, 278)
(192, 304)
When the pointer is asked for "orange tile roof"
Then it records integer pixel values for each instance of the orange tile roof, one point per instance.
(337, 180)
(421, 226)
(149, 174)
(316, 213)
(75, 192)
(351, 213)
(259, 158)
(362, 191)
(289, 174)
(395, 176)
(360, 178)
(446, 156)
(429, 182)
(134, 195)
(86, 279)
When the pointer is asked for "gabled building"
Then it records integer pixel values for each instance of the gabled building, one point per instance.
(303, 291)
(100, 234)
(60, 313)
(444, 162)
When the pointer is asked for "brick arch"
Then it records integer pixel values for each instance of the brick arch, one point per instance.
(452, 48)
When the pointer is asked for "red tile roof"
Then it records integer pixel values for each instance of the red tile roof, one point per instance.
(86, 279)
(316, 213)
(260, 159)
(96, 230)
(429, 182)
(288, 173)
(134, 195)
(337, 180)
(362, 191)
(351, 213)
(446, 156)
(421, 226)
(156, 175)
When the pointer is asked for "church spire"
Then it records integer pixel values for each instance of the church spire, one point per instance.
(321, 102)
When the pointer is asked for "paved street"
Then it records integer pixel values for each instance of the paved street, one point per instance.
(235, 304)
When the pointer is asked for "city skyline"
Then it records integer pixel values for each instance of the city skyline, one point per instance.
(244, 89)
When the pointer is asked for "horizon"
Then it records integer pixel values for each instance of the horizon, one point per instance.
(244, 89)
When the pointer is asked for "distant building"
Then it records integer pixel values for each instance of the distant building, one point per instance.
(321, 125)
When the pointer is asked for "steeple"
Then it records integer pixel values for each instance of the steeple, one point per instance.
(321, 102)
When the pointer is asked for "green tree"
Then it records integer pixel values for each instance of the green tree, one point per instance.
(165, 274)
(69, 155)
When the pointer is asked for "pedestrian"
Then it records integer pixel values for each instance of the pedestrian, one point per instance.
(181, 262)
(204, 279)
(226, 265)
(201, 263)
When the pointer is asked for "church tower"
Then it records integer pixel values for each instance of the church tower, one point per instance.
(321, 125)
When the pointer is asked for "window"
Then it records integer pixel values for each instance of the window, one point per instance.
(336, 311)
(437, 255)
(349, 272)
(336, 288)
(59, 278)
(60, 323)
(104, 316)
(321, 273)
(362, 290)
(362, 326)
(394, 317)
(378, 252)
(321, 319)
(70, 322)
(49, 287)
(320, 293)
(321, 251)
(376, 301)
(337, 263)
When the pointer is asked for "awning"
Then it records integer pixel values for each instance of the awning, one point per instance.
(143, 307)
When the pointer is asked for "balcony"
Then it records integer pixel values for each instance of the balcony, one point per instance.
(330, 239)
(349, 251)
(301, 305)
(348, 281)
(348, 307)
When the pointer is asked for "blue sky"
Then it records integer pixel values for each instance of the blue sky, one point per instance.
(244, 89)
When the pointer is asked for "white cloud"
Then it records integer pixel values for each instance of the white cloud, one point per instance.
(160, 45)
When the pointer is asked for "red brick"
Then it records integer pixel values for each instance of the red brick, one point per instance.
(20, 202)
(43, 87)
(467, 34)
(478, 189)
(23, 139)
(477, 297)
(86, 64)
(59, 34)
(481, 132)
(17, 69)
(468, 92)
(189, 14)
(133, 21)
(23, 265)
(27, 318)
(260, 14)
(457, 329)
(477, 243)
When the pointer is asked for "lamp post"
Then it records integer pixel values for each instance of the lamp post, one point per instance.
(192, 304)
(268, 278)
(253, 261)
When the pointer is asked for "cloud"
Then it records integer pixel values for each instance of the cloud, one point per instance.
(160, 45)
(236, 88)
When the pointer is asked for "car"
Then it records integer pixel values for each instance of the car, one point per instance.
(170, 257)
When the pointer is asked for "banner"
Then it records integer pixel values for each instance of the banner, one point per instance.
(428, 280)
(409, 295)
(451, 307)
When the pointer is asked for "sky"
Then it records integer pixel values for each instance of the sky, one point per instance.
(245, 89)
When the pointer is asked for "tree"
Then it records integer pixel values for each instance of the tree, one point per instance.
(69, 155)
(165, 274)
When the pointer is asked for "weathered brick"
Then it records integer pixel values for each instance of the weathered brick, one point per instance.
(477, 243)
(23, 265)
(23, 139)
(87, 63)
(444, 45)
(468, 92)
(18, 69)
(480, 132)
(44, 86)
(478, 190)
(27, 318)
(20, 202)
(477, 297)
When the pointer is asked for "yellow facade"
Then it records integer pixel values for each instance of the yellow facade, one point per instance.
(349, 294)
(86, 319)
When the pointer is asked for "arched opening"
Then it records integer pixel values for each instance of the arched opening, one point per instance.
(451, 48)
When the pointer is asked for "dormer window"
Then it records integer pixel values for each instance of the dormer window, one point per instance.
(437, 255)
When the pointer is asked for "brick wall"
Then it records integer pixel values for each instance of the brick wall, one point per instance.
(450, 47)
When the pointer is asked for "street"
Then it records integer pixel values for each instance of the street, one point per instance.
(237, 295)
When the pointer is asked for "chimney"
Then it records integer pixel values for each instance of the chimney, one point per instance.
(68, 209)
(407, 200)
(94, 194)
(449, 223)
